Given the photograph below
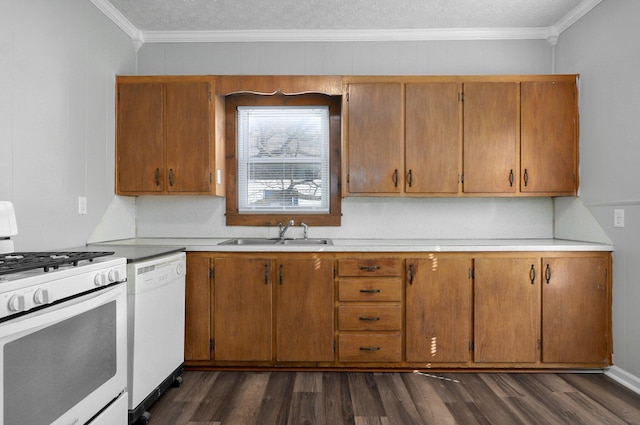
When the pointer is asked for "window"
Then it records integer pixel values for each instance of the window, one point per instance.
(283, 159)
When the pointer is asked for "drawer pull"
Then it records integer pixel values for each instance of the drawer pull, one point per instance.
(369, 268)
(370, 291)
(370, 349)
(369, 319)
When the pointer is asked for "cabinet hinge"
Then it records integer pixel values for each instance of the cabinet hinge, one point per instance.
(471, 346)
(347, 96)
(212, 273)
(209, 95)
(461, 96)
(212, 344)
(461, 178)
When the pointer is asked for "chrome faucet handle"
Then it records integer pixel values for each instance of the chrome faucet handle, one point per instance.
(306, 230)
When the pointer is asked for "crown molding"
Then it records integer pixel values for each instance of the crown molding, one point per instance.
(121, 21)
(551, 34)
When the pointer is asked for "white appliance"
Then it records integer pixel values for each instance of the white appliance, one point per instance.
(156, 303)
(63, 335)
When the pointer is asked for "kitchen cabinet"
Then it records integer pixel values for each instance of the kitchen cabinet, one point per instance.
(491, 124)
(549, 311)
(507, 310)
(438, 308)
(375, 162)
(461, 136)
(198, 317)
(243, 309)
(575, 313)
(369, 310)
(549, 137)
(433, 138)
(259, 308)
(483, 310)
(304, 309)
(166, 132)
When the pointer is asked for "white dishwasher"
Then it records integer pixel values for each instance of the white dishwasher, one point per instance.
(156, 303)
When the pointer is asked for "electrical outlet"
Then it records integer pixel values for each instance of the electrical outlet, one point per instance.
(618, 218)
(82, 205)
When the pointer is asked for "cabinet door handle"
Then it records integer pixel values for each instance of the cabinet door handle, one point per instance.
(369, 319)
(532, 274)
(371, 349)
(395, 178)
(369, 268)
(547, 273)
(511, 178)
(170, 176)
(157, 177)
(370, 291)
(411, 273)
(410, 178)
(266, 274)
(526, 177)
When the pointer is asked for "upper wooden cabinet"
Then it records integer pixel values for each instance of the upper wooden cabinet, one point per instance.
(375, 133)
(491, 118)
(461, 136)
(166, 136)
(549, 137)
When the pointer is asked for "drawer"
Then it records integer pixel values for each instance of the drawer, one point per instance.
(369, 317)
(379, 289)
(369, 347)
(370, 267)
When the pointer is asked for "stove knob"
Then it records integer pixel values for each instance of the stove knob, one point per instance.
(114, 275)
(100, 279)
(41, 296)
(16, 303)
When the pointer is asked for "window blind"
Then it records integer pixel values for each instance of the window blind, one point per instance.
(283, 159)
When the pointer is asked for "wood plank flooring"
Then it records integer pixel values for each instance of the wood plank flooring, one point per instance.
(359, 398)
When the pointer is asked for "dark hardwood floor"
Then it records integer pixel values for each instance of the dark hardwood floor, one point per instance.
(349, 398)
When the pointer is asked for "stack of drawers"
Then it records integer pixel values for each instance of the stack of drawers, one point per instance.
(370, 310)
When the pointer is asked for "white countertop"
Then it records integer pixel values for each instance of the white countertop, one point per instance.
(378, 245)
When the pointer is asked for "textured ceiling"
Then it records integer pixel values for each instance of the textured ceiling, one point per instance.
(238, 15)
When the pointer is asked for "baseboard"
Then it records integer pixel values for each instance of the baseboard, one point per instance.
(625, 378)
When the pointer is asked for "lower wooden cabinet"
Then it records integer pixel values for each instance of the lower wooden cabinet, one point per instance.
(438, 309)
(484, 310)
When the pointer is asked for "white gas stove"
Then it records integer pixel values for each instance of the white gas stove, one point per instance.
(52, 303)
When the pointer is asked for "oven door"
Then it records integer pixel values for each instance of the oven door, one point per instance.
(63, 364)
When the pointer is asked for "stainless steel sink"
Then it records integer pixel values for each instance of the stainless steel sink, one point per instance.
(276, 241)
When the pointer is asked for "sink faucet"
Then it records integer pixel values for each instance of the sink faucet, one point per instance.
(306, 230)
(283, 229)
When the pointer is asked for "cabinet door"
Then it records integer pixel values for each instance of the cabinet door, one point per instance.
(140, 138)
(198, 318)
(438, 309)
(304, 318)
(243, 309)
(575, 325)
(433, 138)
(549, 137)
(374, 138)
(188, 137)
(491, 129)
(506, 310)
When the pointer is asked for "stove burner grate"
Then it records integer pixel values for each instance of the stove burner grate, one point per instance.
(24, 261)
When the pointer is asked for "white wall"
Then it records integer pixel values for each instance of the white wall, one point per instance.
(362, 217)
(603, 48)
(58, 61)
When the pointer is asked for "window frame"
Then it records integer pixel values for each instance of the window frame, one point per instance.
(236, 218)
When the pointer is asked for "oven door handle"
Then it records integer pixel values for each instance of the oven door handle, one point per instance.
(32, 322)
